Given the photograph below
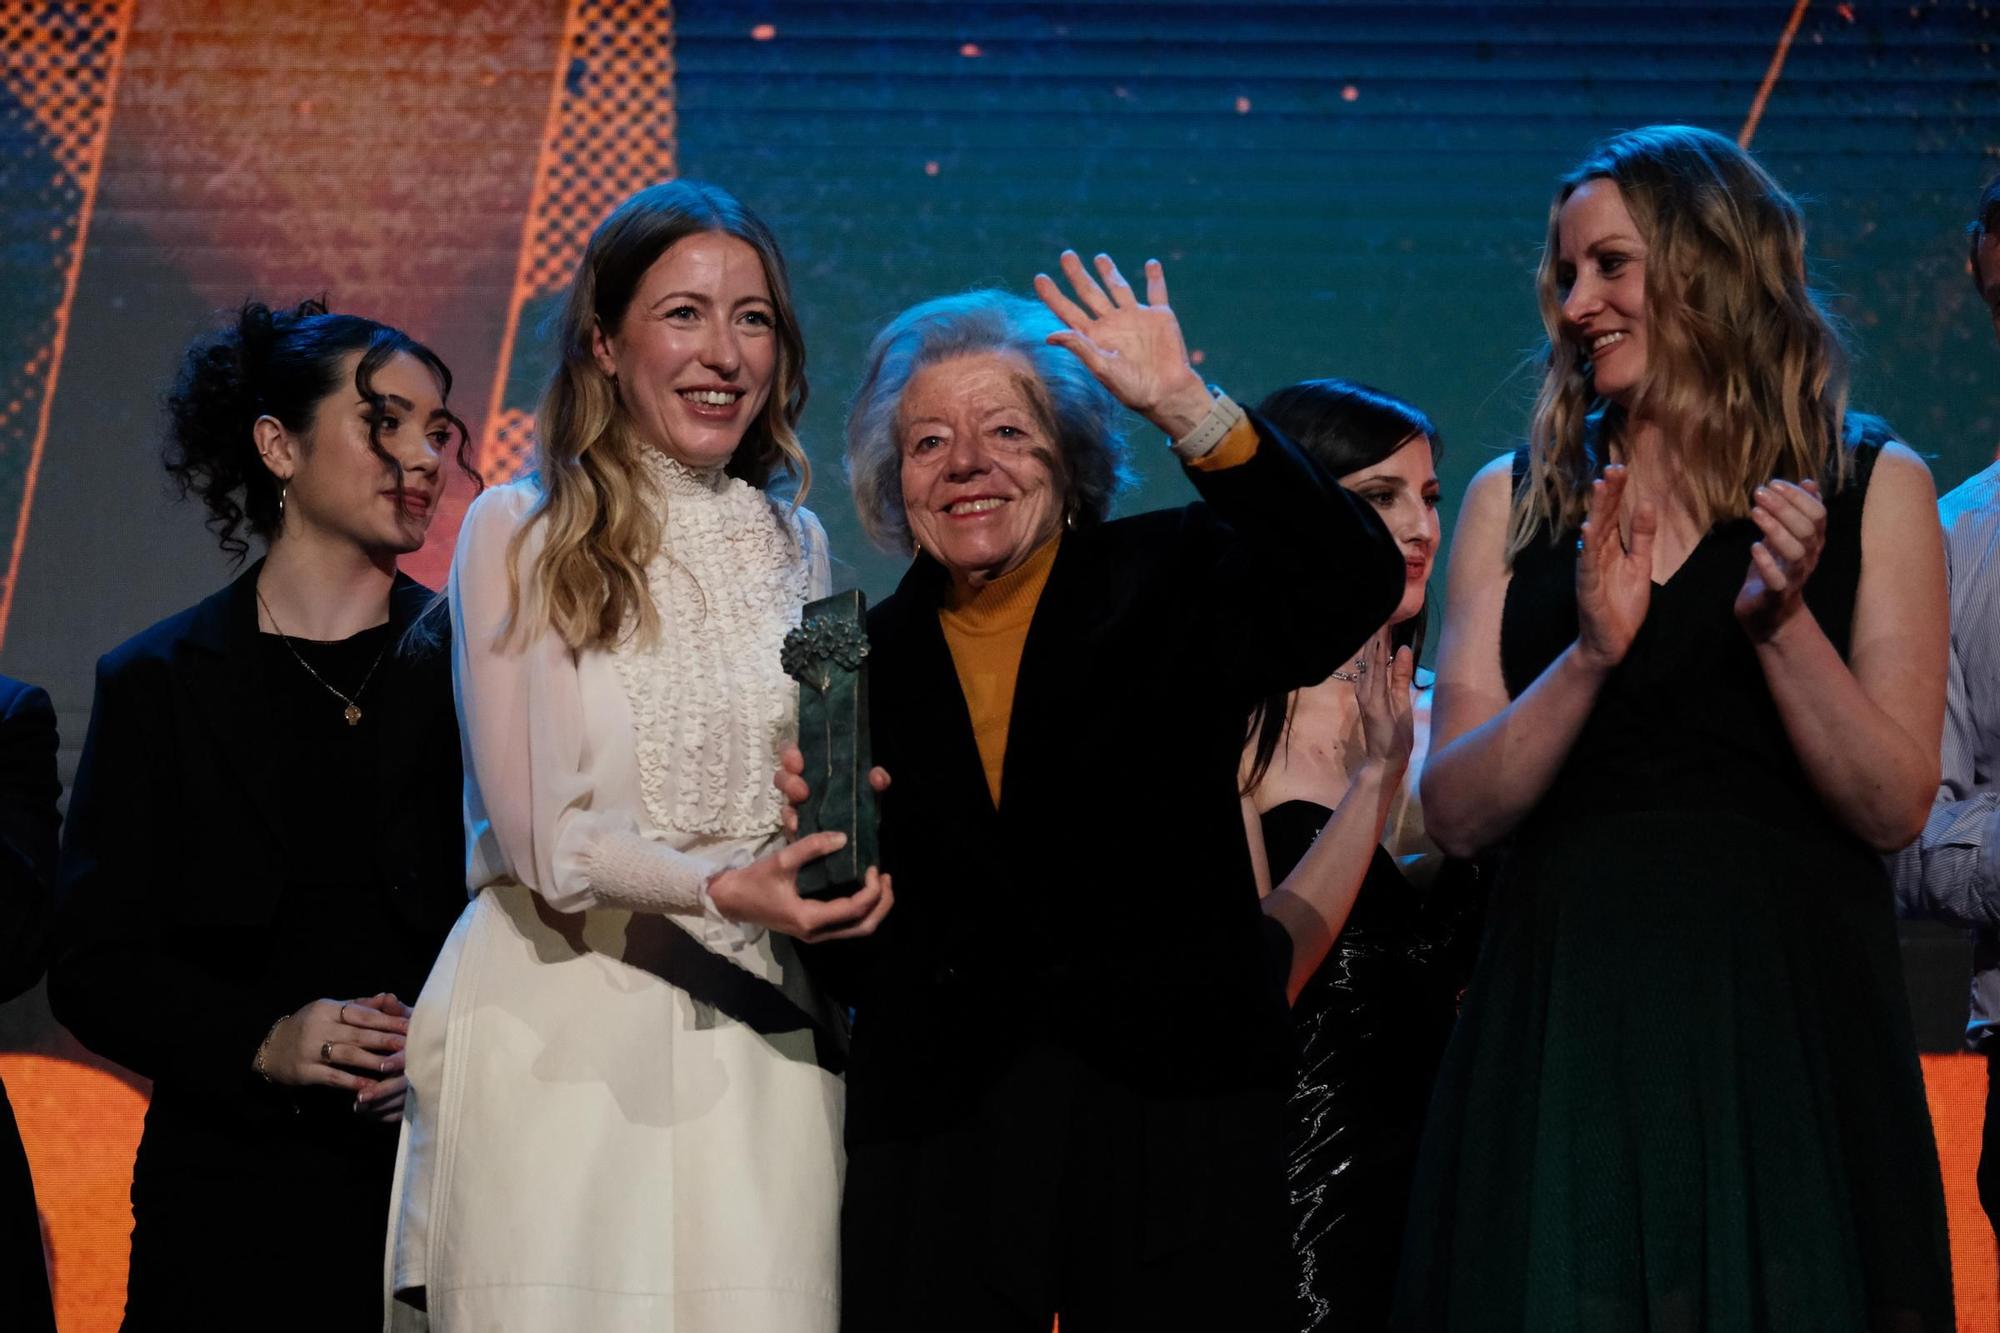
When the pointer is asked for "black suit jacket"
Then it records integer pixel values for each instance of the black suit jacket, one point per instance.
(28, 823)
(175, 858)
(1109, 902)
(29, 789)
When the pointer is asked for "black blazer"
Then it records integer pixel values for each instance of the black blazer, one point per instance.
(29, 789)
(1109, 902)
(175, 859)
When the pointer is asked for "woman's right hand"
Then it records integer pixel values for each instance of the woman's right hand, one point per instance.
(322, 1043)
(1133, 347)
(1614, 577)
(766, 893)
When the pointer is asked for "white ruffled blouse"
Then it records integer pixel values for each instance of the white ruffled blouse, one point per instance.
(597, 1136)
(627, 778)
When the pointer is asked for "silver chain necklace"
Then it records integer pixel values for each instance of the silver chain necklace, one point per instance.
(353, 710)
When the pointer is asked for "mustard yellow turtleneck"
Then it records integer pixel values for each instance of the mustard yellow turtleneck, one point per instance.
(986, 628)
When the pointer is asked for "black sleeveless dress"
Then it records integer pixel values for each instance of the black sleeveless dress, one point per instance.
(1683, 1093)
(1372, 1025)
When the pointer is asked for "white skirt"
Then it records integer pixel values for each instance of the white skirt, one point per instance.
(610, 1127)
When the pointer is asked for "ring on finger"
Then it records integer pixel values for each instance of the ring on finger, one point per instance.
(326, 1052)
(343, 1010)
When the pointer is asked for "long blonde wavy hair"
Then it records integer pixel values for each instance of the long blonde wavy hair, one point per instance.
(1745, 373)
(588, 582)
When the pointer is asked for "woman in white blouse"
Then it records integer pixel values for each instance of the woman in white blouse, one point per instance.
(624, 1108)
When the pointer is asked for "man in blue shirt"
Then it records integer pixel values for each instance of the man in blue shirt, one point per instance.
(1952, 872)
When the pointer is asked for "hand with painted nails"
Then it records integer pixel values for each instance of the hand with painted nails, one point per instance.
(1383, 699)
(1133, 347)
(1792, 517)
(1614, 570)
(336, 1043)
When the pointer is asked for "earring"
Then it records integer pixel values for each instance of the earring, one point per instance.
(283, 486)
(1069, 520)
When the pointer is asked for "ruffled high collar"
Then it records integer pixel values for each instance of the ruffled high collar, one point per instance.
(674, 477)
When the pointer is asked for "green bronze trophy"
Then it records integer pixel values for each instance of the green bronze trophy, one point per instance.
(828, 656)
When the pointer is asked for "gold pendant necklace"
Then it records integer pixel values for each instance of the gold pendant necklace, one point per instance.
(353, 710)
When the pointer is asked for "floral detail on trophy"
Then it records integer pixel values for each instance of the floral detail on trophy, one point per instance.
(819, 644)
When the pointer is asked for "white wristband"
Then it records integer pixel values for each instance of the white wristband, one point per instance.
(1222, 418)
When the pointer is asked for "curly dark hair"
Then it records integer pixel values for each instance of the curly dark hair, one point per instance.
(281, 364)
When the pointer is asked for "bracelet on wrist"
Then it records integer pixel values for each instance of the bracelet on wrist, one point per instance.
(263, 1048)
(1222, 417)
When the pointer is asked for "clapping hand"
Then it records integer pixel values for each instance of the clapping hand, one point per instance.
(1793, 521)
(1614, 577)
(1382, 693)
(1133, 347)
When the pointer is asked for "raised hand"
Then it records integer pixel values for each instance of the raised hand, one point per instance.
(1793, 521)
(1133, 347)
(1388, 728)
(1614, 577)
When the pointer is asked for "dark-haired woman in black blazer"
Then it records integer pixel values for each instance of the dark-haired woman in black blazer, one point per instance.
(264, 848)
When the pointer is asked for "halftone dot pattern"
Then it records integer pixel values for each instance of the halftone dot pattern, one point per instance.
(58, 66)
(56, 62)
(610, 132)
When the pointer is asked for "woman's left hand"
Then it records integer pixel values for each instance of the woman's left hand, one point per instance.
(791, 784)
(1793, 521)
(1133, 347)
(1382, 695)
(381, 1098)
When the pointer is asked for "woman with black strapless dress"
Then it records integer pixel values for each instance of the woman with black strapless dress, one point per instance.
(1373, 976)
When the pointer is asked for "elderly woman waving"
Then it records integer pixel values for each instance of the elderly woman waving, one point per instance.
(1071, 1048)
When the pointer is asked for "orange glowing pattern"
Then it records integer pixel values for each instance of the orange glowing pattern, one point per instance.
(610, 131)
(1777, 67)
(1956, 1087)
(80, 1127)
(59, 63)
